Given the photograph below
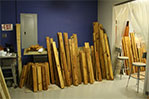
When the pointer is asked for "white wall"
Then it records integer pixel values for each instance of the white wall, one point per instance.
(105, 8)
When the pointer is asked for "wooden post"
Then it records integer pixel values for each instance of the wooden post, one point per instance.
(47, 72)
(39, 74)
(67, 50)
(4, 86)
(23, 76)
(104, 51)
(108, 57)
(18, 34)
(84, 67)
(77, 61)
(74, 62)
(44, 77)
(34, 71)
(98, 74)
(50, 59)
(94, 62)
(58, 65)
(63, 58)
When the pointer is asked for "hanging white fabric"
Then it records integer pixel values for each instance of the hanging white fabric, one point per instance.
(136, 13)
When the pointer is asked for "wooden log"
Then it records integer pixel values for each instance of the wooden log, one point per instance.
(84, 67)
(39, 75)
(74, 63)
(47, 72)
(77, 61)
(67, 50)
(18, 37)
(50, 59)
(98, 70)
(94, 62)
(34, 71)
(104, 51)
(108, 57)
(4, 86)
(58, 65)
(23, 76)
(44, 77)
(63, 59)
(54, 64)
(89, 65)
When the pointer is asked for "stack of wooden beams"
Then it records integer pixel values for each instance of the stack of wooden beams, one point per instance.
(102, 52)
(134, 53)
(71, 65)
(35, 76)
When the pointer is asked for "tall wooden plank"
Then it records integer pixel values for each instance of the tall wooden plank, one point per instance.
(108, 57)
(34, 71)
(44, 77)
(63, 58)
(77, 53)
(23, 76)
(18, 37)
(50, 59)
(104, 50)
(54, 63)
(47, 72)
(67, 50)
(74, 63)
(4, 86)
(94, 62)
(89, 65)
(84, 67)
(39, 75)
(58, 65)
(95, 27)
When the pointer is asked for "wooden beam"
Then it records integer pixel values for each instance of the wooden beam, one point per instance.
(94, 62)
(74, 63)
(108, 57)
(67, 50)
(84, 67)
(58, 65)
(104, 50)
(47, 72)
(18, 37)
(77, 61)
(23, 76)
(39, 75)
(34, 71)
(4, 86)
(63, 58)
(50, 59)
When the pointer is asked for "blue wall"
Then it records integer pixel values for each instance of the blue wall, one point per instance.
(53, 16)
(8, 17)
(62, 16)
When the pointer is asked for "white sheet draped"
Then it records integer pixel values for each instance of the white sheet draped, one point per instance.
(137, 13)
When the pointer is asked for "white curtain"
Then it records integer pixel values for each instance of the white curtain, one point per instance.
(137, 13)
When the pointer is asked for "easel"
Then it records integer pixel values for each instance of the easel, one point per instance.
(4, 93)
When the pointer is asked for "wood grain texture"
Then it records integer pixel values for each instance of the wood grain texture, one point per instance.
(23, 76)
(67, 50)
(84, 67)
(49, 51)
(18, 37)
(63, 58)
(34, 71)
(77, 54)
(58, 65)
(39, 75)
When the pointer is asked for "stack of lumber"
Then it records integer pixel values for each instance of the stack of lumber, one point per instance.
(69, 64)
(35, 76)
(134, 53)
(102, 52)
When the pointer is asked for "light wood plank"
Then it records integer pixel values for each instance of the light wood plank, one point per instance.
(58, 65)
(34, 74)
(50, 59)
(39, 74)
(67, 50)
(23, 76)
